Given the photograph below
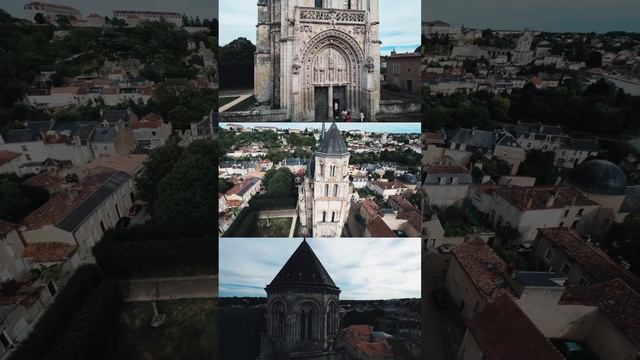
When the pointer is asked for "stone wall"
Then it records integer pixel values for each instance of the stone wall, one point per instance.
(254, 116)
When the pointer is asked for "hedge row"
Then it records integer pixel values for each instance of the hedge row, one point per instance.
(57, 317)
(92, 326)
(240, 219)
(246, 227)
(177, 257)
(273, 204)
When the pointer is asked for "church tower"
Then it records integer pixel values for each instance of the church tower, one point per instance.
(331, 186)
(302, 309)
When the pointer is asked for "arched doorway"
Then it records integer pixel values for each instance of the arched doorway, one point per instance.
(331, 75)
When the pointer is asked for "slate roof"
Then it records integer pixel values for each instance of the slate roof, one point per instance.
(332, 142)
(303, 269)
(472, 137)
(32, 132)
(77, 216)
(503, 331)
(113, 116)
(104, 135)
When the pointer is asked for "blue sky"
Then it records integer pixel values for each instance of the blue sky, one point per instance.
(548, 15)
(400, 128)
(364, 269)
(399, 25)
(203, 8)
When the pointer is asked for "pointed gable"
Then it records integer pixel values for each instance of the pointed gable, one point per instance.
(332, 142)
(303, 269)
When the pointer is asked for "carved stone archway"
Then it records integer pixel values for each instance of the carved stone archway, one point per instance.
(331, 59)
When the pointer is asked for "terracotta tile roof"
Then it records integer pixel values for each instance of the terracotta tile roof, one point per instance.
(537, 197)
(5, 228)
(484, 267)
(446, 169)
(598, 264)
(48, 252)
(130, 164)
(387, 185)
(45, 181)
(433, 137)
(378, 228)
(371, 208)
(149, 121)
(402, 203)
(503, 331)
(618, 301)
(6, 156)
(414, 218)
(359, 337)
(59, 206)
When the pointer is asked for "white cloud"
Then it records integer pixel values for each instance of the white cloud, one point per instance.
(362, 268)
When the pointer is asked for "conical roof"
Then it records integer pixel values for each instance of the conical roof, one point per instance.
(332, 142)
(303, 269)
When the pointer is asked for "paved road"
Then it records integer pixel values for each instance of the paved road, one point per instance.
(202, 286)
(242, 95)
(438, 344)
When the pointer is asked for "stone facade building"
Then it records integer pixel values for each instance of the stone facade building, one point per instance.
(316, 58)
(302, 317)
(325, 196)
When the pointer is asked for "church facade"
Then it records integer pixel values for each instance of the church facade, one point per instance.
(317, 58)
(302, 317)
(326, 195)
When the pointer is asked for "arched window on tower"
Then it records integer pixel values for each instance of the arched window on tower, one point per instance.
(333, 216)
(324, 216)
(331, 319)
(319, 3)
(335, 190)
(326, 190)
(306, 323)
(279, 321)
(332, 170)
(321, 169)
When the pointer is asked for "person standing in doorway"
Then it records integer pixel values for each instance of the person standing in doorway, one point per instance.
(361, 116)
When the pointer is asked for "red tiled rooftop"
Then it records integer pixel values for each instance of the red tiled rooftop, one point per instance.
(149, 121)
(6, 156)
(378, 228)
(537, 197)
(48, 252)
(592, 259)
(387, 185)
(618, 301)
(503, 331)
(59, 206)
(359, 337)
(45, 181)
(371, 208)
(484, 267)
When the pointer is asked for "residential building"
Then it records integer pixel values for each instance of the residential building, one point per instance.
(403, 72)
(463, 143)
(10, 162)
(108, 141)
(528, 209)
(49, 11)
(475, 277)
(387, 188)
(12, 266)
(81, 215)
(134, 17)
(446, 185)
(564, 252)
(240, 194)
(151, 131)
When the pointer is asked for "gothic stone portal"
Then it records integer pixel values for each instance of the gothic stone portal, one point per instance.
(311, 59)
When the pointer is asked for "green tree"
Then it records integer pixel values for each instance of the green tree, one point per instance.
(160, 163)
(187, 193)
(539, 164)
(39, 19)
(281, 182)
(13, 202)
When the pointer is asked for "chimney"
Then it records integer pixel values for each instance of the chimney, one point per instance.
(473, 131)
(552, 199)
(529, 203)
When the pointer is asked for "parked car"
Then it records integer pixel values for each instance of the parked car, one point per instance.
(446, 248)
(438, 296)
(525, 247)
(123, 222)
(135, 209)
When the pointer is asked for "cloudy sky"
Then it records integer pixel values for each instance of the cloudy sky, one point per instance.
(548, 15)
(203, 8)
(399, 25)
(398, 128)
(364, 269)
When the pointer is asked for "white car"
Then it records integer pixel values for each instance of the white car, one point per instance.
(446, 248)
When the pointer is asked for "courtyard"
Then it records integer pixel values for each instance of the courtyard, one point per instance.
(189, 331)
(276, 227)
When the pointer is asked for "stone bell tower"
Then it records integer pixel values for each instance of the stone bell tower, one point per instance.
(302, 310)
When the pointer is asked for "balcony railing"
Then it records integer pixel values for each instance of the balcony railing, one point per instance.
(338, 16)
